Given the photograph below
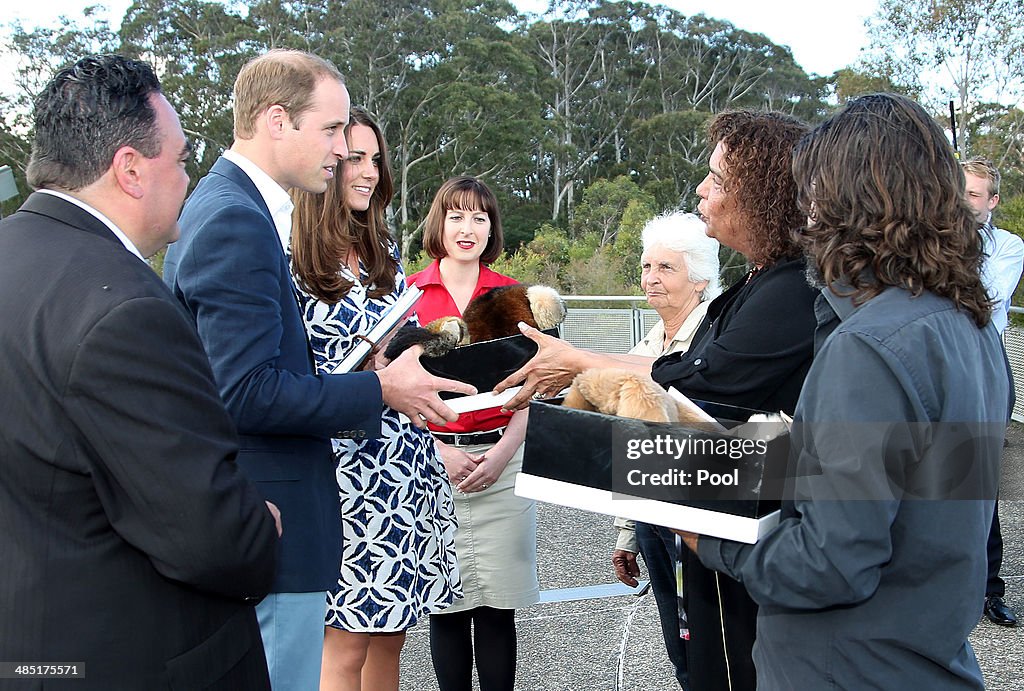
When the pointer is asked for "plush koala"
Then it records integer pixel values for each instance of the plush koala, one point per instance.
(494, 314)
(626, 393)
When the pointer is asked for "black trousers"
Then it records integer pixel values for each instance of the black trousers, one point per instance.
(723, 623)
(995, 586)
(658, 548)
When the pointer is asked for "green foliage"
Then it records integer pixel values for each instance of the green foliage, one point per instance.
(959, 49)
(527, 266)
(590, 119)
(604, 202)
(851, 83)
(628, 246)
(1009, 215)
(418, 262)
(670, 156)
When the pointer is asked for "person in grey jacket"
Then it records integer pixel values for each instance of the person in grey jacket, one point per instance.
(873, 577)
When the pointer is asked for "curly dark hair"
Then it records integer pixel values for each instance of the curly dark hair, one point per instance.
(884, 194)
(324, 229)
(758, 155)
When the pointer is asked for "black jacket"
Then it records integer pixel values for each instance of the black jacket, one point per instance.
(131, 541)
(753, 350)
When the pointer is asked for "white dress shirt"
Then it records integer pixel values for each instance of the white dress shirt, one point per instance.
(1000, 272)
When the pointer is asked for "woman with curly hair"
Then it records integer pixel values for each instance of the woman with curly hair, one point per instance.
(752, 350)
(875, 575)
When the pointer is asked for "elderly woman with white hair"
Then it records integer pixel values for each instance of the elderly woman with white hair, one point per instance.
(679, 277)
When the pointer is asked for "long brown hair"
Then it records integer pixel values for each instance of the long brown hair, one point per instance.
(324, 229)
(884, 195)
(758, 156)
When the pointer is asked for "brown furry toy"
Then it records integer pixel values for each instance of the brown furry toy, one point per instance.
(626, 393)
(437, 338)
(495, 314)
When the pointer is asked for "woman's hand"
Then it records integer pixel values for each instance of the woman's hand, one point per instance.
(626, 568)
(457, 463)
(548, 372)
(488, 470)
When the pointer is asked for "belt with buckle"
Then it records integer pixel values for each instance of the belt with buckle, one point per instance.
(470, 438)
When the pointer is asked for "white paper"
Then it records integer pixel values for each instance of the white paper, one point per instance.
(390, 321)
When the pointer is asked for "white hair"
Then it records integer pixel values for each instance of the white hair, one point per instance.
(684, 233)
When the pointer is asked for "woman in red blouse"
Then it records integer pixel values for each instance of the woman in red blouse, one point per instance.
(496, 543)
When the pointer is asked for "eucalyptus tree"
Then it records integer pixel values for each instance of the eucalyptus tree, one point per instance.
(40, 52)
(967, 51)
(595, 65)
(197, 48)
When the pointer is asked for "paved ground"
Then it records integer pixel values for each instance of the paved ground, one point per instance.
(614, 643)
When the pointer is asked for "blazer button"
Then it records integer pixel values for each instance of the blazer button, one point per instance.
(697, 361)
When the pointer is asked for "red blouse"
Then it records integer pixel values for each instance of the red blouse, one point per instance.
(437, 302)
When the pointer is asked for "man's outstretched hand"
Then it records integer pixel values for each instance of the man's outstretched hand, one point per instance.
(411, 390)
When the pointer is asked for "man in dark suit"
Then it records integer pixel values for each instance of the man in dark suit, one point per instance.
(132, 544)
(230, 271)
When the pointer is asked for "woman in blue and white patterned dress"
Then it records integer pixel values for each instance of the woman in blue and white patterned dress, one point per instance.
(398, 518)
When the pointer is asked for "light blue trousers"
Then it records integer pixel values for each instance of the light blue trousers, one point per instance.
(292, 627)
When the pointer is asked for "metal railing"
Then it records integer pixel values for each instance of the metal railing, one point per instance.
(617, 329)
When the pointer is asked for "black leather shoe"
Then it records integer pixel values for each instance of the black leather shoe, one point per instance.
(998, 613)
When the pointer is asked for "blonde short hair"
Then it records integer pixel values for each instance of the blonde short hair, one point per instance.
(983, 168)
(281, 77)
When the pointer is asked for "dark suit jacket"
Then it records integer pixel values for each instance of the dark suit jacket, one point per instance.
(129, 539)
(231, 273)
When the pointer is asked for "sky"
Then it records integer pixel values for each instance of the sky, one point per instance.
(824, 37)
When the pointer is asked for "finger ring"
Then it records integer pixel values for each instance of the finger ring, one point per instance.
(483, 486)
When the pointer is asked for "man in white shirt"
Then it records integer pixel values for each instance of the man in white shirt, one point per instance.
(230, 271)
(1004, 260)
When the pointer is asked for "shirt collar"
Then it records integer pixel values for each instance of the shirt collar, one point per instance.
(432, 276)
(278, 201)
(129, 245)
(842, 304)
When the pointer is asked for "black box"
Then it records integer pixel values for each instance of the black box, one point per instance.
(483, 365)
(726, 484)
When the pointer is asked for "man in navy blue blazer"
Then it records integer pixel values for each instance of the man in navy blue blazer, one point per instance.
(230, 271)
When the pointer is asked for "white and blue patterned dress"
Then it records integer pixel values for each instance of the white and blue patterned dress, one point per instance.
(398, 518)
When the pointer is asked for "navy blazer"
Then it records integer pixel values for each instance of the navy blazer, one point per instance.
(230, 271)
(130, 539)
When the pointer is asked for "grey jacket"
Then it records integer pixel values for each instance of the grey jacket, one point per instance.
(876, 573)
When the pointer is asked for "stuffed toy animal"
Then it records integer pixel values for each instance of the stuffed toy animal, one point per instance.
(495, 314)
(626, 393)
